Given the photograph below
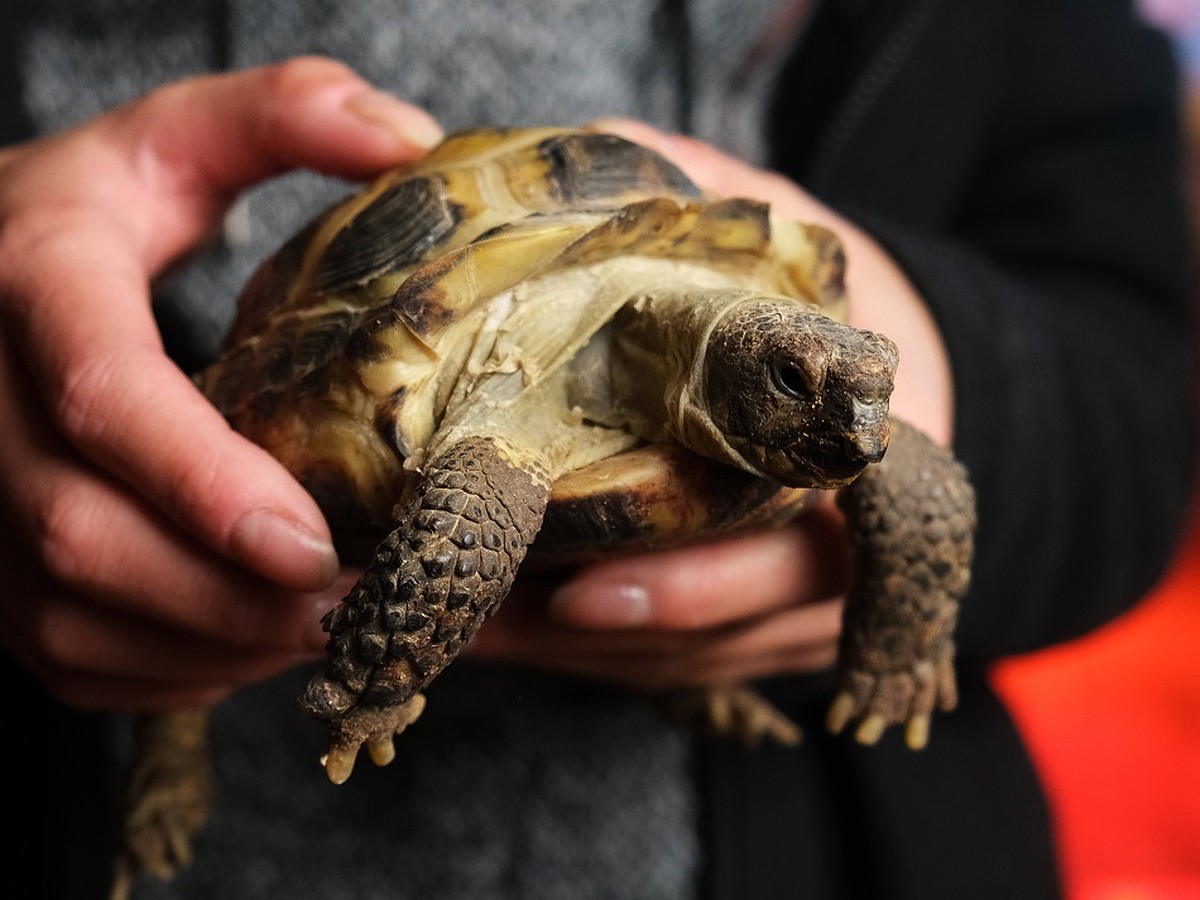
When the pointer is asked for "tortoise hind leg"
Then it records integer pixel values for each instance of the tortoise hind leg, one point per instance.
(434, 580)
(167, 799)
(911, 520)
(734, 711)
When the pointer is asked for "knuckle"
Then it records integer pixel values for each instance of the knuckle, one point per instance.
(192, 478)
(153, 102)
(162, 103)
(84, 404)
(65, 538)
(29, 237)
(291, 80)
(288, 90)
(63, 682)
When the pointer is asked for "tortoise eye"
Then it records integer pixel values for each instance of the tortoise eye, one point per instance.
(790, 379)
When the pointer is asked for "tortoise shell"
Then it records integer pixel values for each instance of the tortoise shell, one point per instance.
(550, 340)
(352, 339)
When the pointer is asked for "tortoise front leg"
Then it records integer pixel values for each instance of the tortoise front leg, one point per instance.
(911, 520)
(434, 580)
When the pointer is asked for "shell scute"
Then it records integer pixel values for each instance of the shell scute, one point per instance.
(586, 169)
(397, 229)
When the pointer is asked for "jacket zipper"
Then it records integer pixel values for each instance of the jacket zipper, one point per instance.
(879, 72)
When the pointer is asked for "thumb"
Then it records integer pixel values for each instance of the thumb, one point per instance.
(180, 154)
(91, 215)
(204, 139)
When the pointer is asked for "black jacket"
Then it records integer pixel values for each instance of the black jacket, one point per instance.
(1021, 159)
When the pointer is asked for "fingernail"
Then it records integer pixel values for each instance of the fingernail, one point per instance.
(407, 122)
(601, 605)
(283, 550)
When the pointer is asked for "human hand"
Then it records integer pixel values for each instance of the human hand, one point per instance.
(756, 606)
(153, 558)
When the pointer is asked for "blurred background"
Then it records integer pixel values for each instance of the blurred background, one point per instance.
(1113, 720)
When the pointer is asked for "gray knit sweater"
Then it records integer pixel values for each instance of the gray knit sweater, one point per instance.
(514, 785)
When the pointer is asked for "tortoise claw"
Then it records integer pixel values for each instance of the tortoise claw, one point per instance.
(339, 763)
(382, 750)
(372, 726)
(871, 729)
(916, 735)
(912, 520)
(731, 711)
(841, 711)
(907, 697)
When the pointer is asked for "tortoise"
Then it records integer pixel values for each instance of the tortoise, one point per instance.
(552, 334)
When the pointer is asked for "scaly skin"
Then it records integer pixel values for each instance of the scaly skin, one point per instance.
(434, 580)
(911, 521)
(167, 799)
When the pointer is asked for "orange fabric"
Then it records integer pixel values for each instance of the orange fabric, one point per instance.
(1113, 723)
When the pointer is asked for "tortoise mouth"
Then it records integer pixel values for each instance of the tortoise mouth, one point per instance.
(822, 462)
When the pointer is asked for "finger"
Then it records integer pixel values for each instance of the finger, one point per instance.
(709, 584)
(308, 112)
(163, 168)
(716, 171)
(93, 656)
(84, 690)
(95, 540)
(795, 640)
(71, 636)
(229, 491)
(661, 674)
(220, 133)
(111, 391)
(112, 556)
(95, 537)
(523, 630)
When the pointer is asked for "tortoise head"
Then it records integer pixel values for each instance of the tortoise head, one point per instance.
(799, 396)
